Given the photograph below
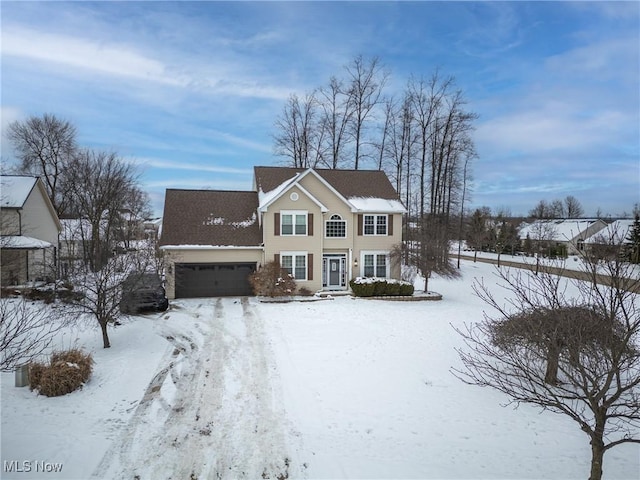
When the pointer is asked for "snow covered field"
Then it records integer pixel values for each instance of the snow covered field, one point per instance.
(342, 388)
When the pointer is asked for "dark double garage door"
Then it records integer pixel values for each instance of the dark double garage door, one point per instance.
(213, 279)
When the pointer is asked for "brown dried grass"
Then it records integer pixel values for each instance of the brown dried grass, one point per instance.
(67, 371)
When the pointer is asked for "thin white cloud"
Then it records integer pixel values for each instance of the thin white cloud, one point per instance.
(127, 62)
(173, 165)
(198, 184)
(118, 60)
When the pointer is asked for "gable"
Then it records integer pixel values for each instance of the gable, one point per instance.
(361, 190)
(210, 218)
(15, 189)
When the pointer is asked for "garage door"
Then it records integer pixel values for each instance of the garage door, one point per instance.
(213, 279)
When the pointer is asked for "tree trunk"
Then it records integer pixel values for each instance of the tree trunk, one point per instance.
(597, 457)
(553, 358)
(105, 336)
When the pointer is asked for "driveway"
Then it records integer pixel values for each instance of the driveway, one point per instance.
(214, 409)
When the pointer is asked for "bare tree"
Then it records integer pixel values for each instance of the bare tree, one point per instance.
(368, 79)
(576, 356)
(101, 183)
(102, 291)
(298, 136)
(541, 211)
(337, 112)
(45, 146)
(26, 332)
(573, 207)
(136, 207)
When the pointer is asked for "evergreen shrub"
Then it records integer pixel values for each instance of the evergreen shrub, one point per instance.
(380, 287)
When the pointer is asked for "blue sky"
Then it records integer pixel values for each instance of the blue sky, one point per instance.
(190, 91)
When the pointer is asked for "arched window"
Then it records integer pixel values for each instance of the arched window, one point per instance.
(336, 227)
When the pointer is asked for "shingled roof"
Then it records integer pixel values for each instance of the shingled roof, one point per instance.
(210, 218)
(349, 183)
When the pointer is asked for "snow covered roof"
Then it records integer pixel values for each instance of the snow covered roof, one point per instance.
(77, 229)
(381, 205)
(616, 233)
(561, 230)
(15, 189)
(20, 242)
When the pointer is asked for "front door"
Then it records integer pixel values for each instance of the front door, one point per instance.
(334, 272)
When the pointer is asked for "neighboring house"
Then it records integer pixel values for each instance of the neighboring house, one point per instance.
(323, 226)
(152, 228)
(74, 242)
(570, 233)
(615, 233)
(29, 231)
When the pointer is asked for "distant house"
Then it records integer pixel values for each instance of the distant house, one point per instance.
(323, 226)
(567, 233)
(29, 231)
(74, 242)
(152, 228)
(615, 233)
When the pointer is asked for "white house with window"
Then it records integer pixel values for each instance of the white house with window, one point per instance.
(324, 227)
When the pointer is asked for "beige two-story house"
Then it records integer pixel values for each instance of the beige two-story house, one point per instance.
(29, 229)
(323, 226)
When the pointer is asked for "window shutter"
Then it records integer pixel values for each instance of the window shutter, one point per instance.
(310, 265)
(310, 224)
(390, 225)
(276, 224)
(276, 258)
(360, 221)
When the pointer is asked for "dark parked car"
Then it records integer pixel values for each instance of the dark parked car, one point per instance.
(143, 291)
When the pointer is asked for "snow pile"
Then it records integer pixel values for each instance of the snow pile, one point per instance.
(230, 388)
(370, 280)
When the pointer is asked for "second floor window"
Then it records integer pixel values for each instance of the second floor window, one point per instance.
(375, 224)
(336, 227)
(293, 223)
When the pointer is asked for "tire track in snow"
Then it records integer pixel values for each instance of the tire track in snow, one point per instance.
(212, 411)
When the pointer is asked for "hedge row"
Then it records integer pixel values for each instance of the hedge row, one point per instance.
(378, 287)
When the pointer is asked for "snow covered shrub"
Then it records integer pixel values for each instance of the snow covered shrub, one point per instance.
(66, 372)
(272, 281)
(46, 295)
(379, 287)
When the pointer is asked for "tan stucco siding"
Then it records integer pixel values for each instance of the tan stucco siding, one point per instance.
(177, 256)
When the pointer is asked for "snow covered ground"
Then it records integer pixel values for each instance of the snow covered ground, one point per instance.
(341, 388)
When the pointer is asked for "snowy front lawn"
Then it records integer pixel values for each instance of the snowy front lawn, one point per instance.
(343, 388)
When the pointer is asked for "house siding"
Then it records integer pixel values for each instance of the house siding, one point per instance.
(318, 244)
(312, 244)
(37, 219)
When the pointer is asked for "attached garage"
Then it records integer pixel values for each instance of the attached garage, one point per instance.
(213, 279)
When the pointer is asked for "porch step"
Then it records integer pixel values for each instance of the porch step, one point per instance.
(333, 293)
